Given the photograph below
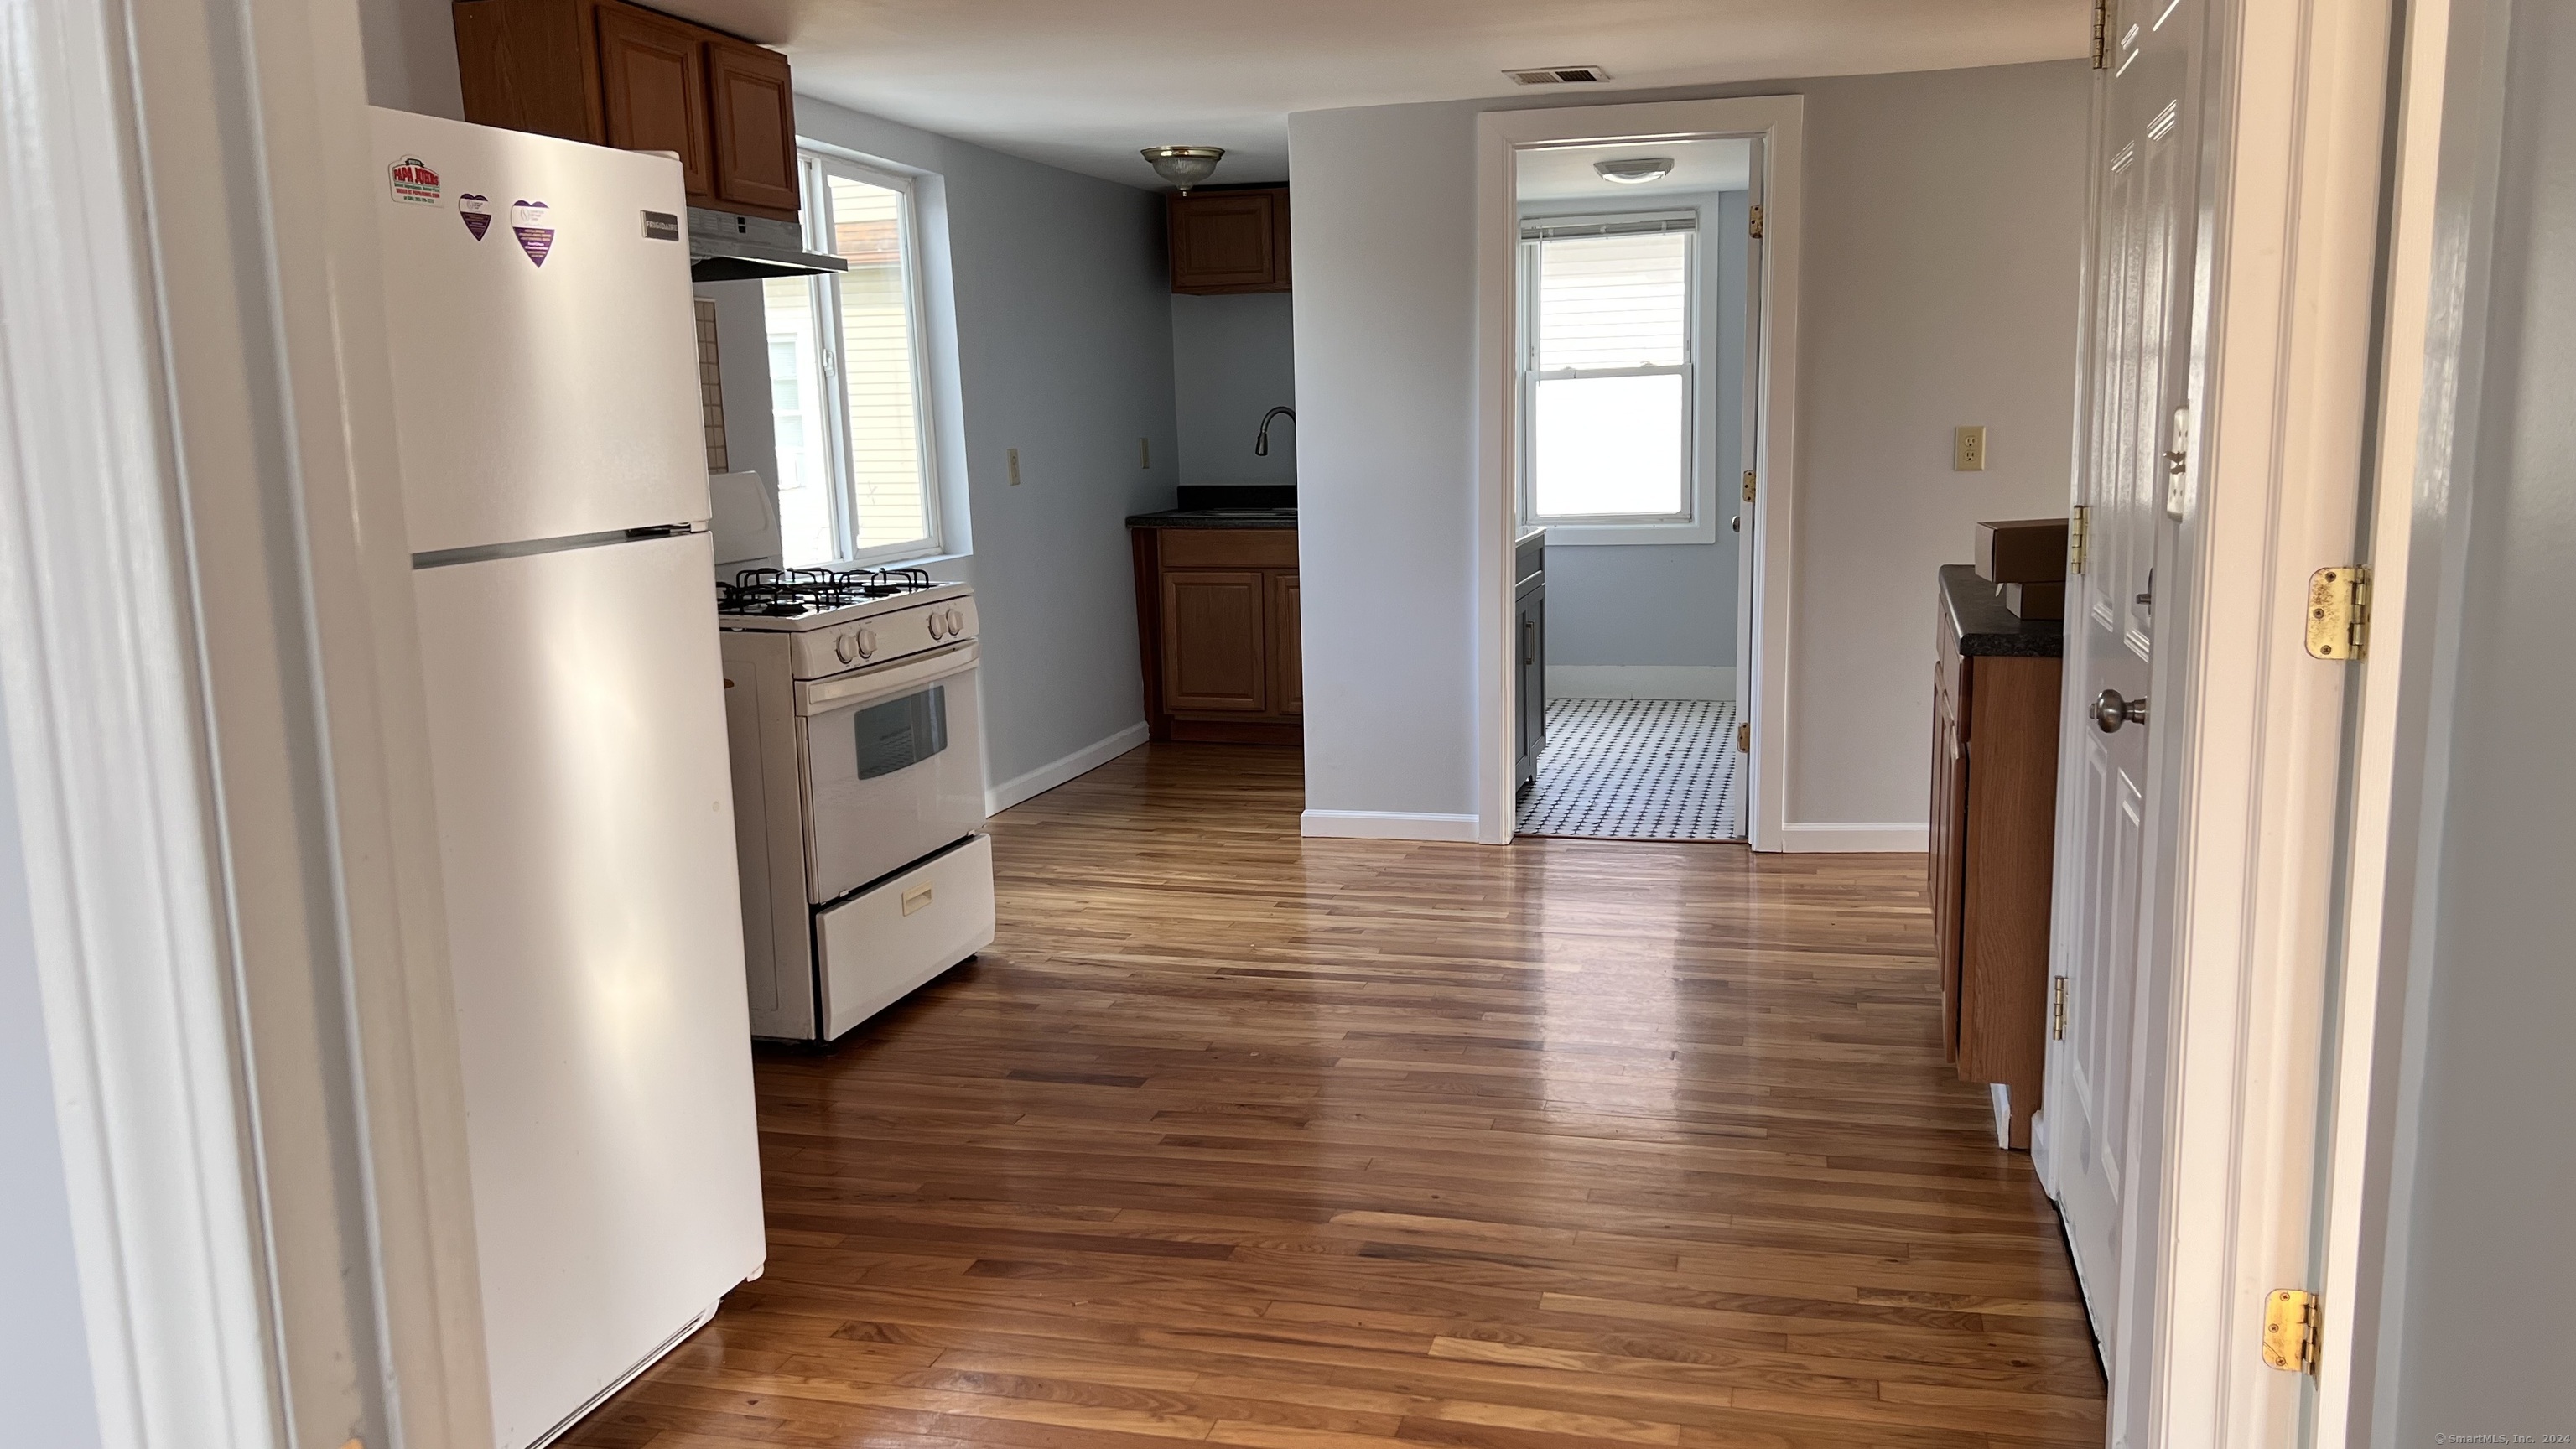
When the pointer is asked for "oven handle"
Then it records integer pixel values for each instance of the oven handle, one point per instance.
(821, 695)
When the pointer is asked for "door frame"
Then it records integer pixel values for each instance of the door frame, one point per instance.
(2249, 911)
(1777, 122)
(214, 723)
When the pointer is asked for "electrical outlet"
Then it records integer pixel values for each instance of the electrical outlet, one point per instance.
(1968, 449)
(1144, 452)
(1015, 467)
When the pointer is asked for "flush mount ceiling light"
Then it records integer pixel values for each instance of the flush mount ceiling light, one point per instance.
(1184, 166)
(1636, 171)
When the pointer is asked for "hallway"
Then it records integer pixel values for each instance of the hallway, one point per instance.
(1247, 1139)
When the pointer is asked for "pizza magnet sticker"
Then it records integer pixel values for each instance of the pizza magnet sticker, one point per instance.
(535, 227)
(414, 181)
(476, 211)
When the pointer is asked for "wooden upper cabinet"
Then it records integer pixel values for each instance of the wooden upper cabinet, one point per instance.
(755, 125)
(653, 81)
(616, 74)
(1230, 241)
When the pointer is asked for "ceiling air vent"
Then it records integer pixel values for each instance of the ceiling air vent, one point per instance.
(1560, 75)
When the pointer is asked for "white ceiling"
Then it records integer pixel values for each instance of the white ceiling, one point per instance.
(1564, 173)
(1084, 83)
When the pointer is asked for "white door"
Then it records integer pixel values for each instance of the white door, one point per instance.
(585, 820)
(542, 332)
(1744, 510)
(2137, 375)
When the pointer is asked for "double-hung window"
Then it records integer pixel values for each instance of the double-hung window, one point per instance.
(1610, 444)
(847, 377)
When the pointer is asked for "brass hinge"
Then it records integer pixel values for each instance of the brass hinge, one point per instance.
(2078, 533)
(1744, 735)
(2101, 34)
(1753, 222)
(2290, 1330)
(1748, 485)
(2339, 612)
(2057, 1009)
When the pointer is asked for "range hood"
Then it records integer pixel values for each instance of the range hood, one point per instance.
(725, 247)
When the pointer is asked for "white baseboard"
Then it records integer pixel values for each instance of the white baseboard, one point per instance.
(1046, 777)
(1806, 837)
(1640, 681)
(1386, 825)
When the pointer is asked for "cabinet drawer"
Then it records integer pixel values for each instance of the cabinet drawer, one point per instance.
(1229, 548)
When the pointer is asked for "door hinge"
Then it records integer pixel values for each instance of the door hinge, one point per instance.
(2290, 1330)
(2339, 612)
(1748, 485)
(1744, 735)
(2101, 34)
(2078, 534)
(1753, 222)
(2057, 1009)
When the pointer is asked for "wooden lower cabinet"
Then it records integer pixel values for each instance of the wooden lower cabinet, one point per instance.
(1218, 629)
(1993, 843)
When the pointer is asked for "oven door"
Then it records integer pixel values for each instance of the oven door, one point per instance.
(893, 766)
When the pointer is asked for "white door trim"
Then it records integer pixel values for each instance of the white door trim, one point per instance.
(1778, 122)
(212, 711)
(2249, 728)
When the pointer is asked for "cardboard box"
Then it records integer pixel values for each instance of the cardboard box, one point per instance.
(2022, 551)
(2036, 601)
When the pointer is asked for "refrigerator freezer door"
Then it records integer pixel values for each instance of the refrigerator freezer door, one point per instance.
(577, 740)
(544, 343)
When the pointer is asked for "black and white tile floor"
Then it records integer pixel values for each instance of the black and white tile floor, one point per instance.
(1636, 769)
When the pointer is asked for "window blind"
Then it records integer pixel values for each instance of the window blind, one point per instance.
(1613, 301)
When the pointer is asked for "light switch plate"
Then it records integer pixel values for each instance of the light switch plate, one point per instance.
(1968, 449)
(1015, 467)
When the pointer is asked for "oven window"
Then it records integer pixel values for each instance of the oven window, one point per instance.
(901, 732)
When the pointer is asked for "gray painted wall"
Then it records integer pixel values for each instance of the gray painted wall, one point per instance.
(1944, 230)
(410, 48)
(2474, 1334)
(1063, 342)
(44, 1359)
(1233, 359)
(1667, 603)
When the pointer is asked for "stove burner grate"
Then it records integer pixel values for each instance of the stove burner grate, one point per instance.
(792, 593)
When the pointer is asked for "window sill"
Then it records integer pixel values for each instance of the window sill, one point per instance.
(1581, 534)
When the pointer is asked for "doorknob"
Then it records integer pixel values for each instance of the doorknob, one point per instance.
(2110, 711)
(1736, 523)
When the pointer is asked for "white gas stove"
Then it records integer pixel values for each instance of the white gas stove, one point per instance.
(858, 770)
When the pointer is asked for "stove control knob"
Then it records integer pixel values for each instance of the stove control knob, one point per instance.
(867, 642)
(847, 646)
(937, 624)
(956, 623)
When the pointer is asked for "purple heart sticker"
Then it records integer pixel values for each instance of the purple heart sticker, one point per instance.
(530, 220)
(476, 211)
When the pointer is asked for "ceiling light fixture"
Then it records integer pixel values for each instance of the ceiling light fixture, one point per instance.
(1636, 171)
(1184, 166)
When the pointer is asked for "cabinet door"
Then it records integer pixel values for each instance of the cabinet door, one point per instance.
(1214, 655)
(521, 66)
(1949, 859)
(652, 77)
(1287, 647)
(1533, 679)
(1228, 241)
(755, 126)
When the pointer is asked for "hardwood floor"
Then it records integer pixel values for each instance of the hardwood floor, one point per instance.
(1252, 1140)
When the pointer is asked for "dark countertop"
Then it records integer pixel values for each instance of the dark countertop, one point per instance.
(1986, 627)
(1216, 518)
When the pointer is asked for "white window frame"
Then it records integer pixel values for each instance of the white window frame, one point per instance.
(824, 294)
(1697, 521)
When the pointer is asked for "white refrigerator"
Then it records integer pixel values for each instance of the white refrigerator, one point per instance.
(555, 486)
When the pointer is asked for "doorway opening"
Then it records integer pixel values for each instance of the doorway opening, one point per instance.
(1634, 266)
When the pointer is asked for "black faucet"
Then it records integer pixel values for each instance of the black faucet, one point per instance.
(1261, 444)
